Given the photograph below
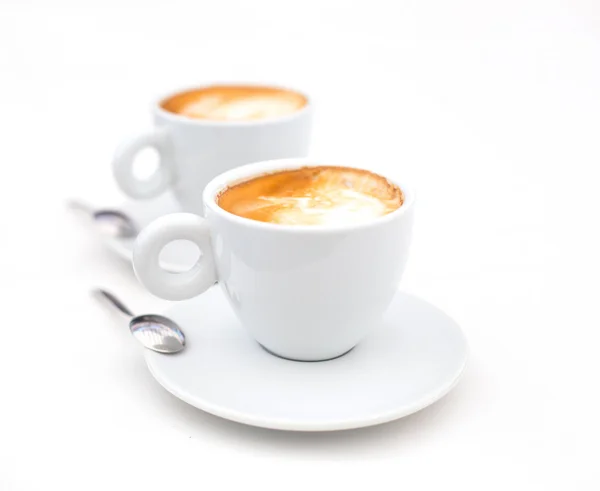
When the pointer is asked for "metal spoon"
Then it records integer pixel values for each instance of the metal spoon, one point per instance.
(155, 332)
(113, 223)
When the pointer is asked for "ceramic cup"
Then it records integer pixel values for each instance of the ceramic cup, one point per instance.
(193, 151)
(303, 292)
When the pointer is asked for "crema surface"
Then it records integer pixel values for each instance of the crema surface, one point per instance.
(235, 103)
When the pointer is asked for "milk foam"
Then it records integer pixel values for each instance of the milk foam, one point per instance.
(235, 103)
(251, 107)
(329, 207)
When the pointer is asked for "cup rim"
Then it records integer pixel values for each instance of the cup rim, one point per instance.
(158, 110)
(244, 172)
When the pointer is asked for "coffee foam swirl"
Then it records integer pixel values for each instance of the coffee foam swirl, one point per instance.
(313, 196)
(235, 103)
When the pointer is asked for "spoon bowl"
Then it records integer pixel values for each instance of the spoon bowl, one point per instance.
(109, 222)
(114, 223)
(157, 333)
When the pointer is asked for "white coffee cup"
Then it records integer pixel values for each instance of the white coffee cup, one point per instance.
(304, 292)
(193, 151)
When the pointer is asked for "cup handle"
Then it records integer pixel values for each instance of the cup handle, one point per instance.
(151, 240)
(159, 181)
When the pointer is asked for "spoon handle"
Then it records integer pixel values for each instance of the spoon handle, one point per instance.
(109, 299)
(78, 205)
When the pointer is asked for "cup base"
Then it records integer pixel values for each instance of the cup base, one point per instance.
(305, 361)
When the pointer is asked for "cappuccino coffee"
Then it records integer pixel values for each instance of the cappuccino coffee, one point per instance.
(235, 103)
(323, 195)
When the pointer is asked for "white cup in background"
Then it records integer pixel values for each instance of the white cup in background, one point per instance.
(193, 151)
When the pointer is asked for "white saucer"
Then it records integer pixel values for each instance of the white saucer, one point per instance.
(176, 257)
(409, 363)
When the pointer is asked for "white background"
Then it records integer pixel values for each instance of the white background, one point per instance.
(490, 108)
